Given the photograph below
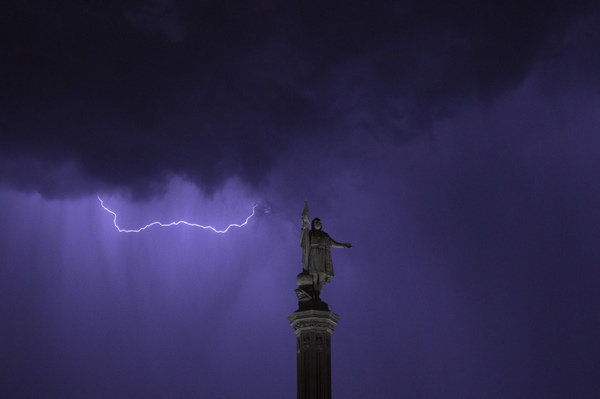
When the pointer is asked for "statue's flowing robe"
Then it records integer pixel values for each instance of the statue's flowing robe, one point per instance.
(319, 256)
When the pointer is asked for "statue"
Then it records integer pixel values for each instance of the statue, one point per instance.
(317, 266)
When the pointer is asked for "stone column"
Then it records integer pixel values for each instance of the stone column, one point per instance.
(313, 329)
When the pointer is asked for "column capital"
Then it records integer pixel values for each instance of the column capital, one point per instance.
(314, 321)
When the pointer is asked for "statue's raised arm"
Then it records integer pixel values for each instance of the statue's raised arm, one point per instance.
(305, 236)
(317, 265)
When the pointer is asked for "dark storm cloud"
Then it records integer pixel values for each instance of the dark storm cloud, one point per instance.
(127, 94)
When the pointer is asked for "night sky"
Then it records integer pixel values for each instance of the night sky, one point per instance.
(455, 144)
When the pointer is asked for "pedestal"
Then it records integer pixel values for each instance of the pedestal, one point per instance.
(313, 329)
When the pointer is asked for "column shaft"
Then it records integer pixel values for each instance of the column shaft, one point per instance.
(313, 329)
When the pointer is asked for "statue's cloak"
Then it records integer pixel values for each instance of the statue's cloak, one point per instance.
(319, 256)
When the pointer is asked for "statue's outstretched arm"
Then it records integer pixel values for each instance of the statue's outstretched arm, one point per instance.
(336, 244)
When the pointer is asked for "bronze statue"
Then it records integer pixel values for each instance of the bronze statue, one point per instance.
(317, 266)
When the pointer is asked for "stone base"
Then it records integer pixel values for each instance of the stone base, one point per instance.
(313, 304)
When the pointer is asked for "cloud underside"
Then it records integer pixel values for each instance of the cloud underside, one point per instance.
(126, 96)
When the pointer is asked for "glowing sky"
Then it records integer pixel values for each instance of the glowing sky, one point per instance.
(454, 144)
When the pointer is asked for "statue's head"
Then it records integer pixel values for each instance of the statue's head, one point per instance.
(316, 224)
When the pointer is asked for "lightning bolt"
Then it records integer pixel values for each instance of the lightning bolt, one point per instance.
(174, 223)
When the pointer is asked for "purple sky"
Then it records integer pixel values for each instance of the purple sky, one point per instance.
(455, 144)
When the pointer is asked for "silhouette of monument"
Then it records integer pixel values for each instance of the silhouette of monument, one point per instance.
(313, 322)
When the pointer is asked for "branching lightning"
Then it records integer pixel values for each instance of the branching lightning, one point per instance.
(175, 223)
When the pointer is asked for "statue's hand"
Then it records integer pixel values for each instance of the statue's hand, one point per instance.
(347, 245)
(305, 221)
